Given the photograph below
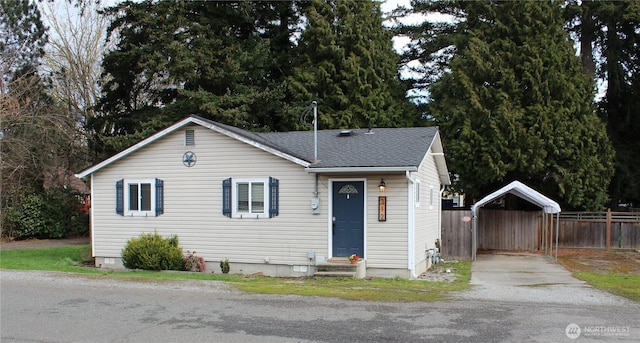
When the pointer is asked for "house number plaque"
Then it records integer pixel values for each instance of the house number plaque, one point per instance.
(382, 209)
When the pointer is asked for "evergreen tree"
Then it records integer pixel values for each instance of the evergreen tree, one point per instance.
(515, 105)
(347, 63)
(173, 59)
(22, 40)
(611, 29)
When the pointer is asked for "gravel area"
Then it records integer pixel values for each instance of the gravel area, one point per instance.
(440, 272)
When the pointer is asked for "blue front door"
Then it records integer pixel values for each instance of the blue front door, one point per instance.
(348, 218)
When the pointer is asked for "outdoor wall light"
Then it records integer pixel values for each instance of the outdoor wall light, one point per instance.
(382, 186)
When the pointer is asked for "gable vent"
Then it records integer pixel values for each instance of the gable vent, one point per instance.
(189, 138)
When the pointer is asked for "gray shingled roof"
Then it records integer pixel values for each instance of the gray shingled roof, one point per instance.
(383, 147)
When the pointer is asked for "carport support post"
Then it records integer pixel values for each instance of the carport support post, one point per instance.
(474, 230)
(557, 233)
(543, 228)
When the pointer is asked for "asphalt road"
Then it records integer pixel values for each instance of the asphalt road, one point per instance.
(55, 307)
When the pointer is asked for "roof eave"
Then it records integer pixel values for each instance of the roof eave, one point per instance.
(388, 169)
(253, 143)
(184, 122)
(437, 151)
(135, 147)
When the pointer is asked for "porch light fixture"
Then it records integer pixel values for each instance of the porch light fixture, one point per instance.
(382, 186)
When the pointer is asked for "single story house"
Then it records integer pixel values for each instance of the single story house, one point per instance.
(276, 203)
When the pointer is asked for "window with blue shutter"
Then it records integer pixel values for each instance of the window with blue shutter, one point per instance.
(226, 197)
(159, 197)
(253, 198)
(274, 185)
(140, 197)
(120, 197)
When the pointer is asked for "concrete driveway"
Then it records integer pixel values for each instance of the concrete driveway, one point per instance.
(531, 278)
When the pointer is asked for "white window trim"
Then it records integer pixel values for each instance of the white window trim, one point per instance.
(248, 215)
(138, 213)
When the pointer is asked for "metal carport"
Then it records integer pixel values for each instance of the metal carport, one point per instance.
(524, 192)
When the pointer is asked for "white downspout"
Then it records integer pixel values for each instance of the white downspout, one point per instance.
(411, 228)
(440, 216)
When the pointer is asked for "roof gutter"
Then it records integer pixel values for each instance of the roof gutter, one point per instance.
(327, 170)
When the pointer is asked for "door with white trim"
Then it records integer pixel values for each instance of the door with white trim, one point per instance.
(348, 218)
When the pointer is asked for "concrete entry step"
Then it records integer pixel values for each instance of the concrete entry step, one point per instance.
(335, 274)
(341, 267)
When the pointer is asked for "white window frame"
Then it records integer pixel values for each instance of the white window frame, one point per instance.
(235, 212)
(127, 201)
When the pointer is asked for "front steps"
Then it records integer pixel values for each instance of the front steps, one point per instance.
(341, 267)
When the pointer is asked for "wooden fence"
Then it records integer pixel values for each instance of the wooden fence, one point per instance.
(620, 230)
(456, 234)
(523, 231)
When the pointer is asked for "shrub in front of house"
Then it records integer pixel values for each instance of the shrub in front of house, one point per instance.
(194, 263)
(151, 251)
(53, 213)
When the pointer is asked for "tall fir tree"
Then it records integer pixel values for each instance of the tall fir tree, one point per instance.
(609, 36)
(347, 63)
(515, 105)
(22, 40)
(172, 59)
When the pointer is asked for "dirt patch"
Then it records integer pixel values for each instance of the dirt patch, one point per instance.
(43, 243)
(600, 261)
(444, 271)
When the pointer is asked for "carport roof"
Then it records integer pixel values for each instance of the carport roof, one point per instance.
(523, 191)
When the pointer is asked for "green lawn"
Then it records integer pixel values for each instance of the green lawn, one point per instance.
(64, 259)
(374, 289)
(69, 259)
(626, 285)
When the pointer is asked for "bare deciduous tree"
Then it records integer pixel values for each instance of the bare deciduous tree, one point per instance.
(74, 54)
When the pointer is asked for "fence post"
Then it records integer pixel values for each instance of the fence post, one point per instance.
(608, 229)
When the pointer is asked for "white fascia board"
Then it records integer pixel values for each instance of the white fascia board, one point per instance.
(135, 147)
(399, 169)
(437, 152)
(252, 143)
(180, 124)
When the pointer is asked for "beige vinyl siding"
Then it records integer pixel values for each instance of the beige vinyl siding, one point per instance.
(193, 202)
(426, 216)
(387, 241)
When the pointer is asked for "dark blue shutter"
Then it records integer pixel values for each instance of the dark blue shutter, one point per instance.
(120, 197)
(274, 185)
(226, 197)
(159, 197)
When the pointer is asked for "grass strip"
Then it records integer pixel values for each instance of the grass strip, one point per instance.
(70, 259)
(625, 285)
(370, 289)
